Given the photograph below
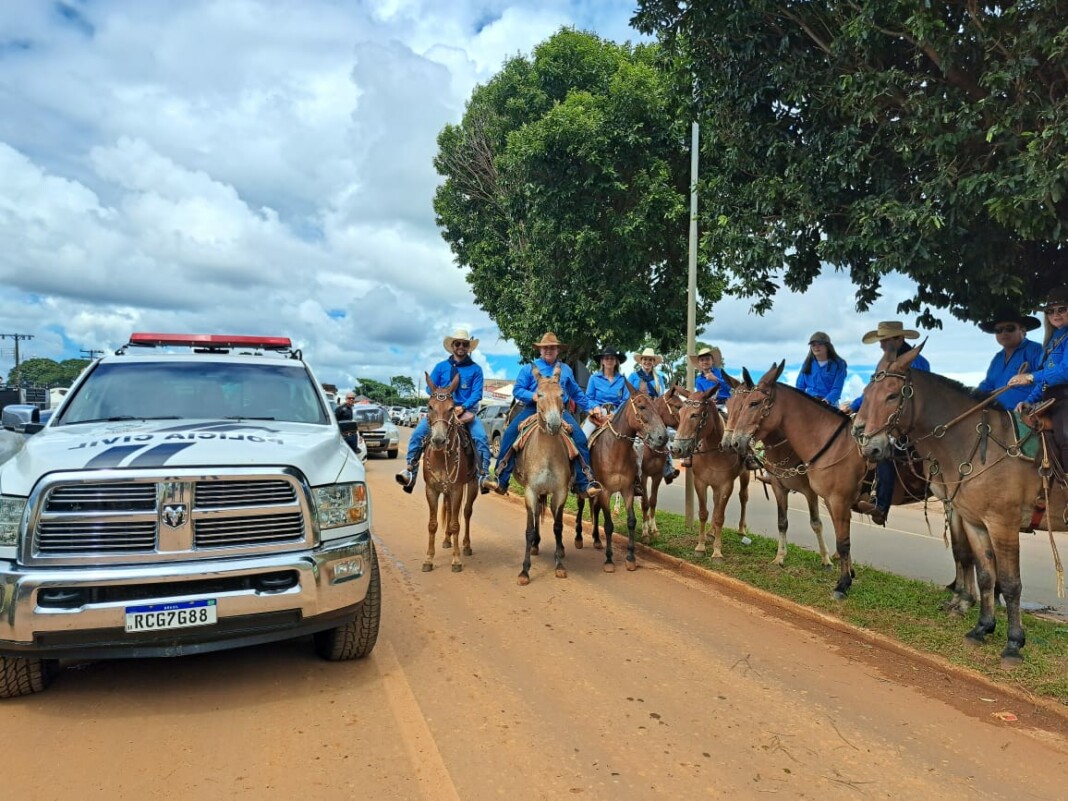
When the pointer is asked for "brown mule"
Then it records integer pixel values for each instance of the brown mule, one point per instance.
(448, 473)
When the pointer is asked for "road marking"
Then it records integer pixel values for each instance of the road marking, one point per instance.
(430, 770)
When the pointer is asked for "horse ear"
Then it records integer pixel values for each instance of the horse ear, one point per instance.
(454, 383)
(732, 382)
(627, 386)
(429, 383)
(682, 391)
(556, 372)
(537, 373)
(902, 363)
(747, 379)
(671, 391)
(779, 369)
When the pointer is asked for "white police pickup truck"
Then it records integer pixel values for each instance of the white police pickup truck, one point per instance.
(192, 493)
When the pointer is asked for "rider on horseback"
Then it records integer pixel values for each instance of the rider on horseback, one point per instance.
(655, 386)
(526, 386)
(467, 397)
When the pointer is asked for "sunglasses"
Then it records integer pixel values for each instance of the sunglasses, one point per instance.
(1056, 309)
(818, 342)
(1005, 329)
(463, 343)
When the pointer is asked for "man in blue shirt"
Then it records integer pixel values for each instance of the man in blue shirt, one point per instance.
(526, 386)
(467, 397)
(1010, 328)
(891, 336)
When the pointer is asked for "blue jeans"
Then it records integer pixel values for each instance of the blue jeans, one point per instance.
(885, 479)
(506, 459)
(417, 443)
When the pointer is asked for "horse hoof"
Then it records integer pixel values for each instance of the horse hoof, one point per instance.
(718, 557)
(534, 551)
(467, 551)
(561, 572)
(428, 566)
(632, 566)
(524, 580)
(1011, 661)
(609, 567)
(598, 545)
(699, 550)
(446, 543)
(778, 562)
(578, 543)
(838, 595)
(974, 640)
(457, 568)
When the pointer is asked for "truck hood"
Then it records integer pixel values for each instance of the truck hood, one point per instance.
(317, 451)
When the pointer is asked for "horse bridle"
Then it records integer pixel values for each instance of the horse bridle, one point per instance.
(892, 427)
(452, 438)
(702, 420)
(643, 429)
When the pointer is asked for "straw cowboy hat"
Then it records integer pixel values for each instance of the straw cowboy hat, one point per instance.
(1005, 315)
(703, 352)
(549, 339)
(462, 334)
(649, 352)
(609, 350)
(889, 330)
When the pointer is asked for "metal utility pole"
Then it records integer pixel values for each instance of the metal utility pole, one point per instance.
(691, 305)
(18, 338)
(90, 353)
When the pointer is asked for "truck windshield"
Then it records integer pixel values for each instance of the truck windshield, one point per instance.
(179, 390)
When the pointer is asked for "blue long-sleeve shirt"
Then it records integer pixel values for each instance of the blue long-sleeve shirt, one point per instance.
(1054, 365)
(600, 390)
(1001, 370)
(919, 363)
(526, 384)
(702, 384)
(469, 393)
(654, 384)
(824, 381)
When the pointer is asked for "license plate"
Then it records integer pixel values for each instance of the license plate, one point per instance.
(177, 615)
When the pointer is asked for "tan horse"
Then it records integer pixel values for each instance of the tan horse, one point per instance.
(699, 436)
(448, 471)
(543, 467)
(653, 461)
(615, 467)
(972, 453)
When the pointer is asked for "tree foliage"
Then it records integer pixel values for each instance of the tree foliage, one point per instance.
(47, 372)
(881, 136)
(402, 386)
(566, 196)
(380, 393)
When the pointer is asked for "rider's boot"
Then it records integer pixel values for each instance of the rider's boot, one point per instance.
(585, 486)
(406, 478)
(485, 483)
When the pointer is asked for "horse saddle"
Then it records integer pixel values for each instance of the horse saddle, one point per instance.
(1038, 419)
(527, 427)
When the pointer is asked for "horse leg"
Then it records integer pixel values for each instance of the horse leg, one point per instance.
(452, 509)
(985, 571)
(840, 509)
(558, 531)
(595, 515)
(702, 516)
(609, 529)
(781, 520)
(743, 498)
(816, 523)
(540, 507)
(531, 534)
(1006, 537)
(469, 505)
(632, 524)
(431, 526)
(581, 503)
(965, 590)
(720, 495)
(654, 491)
(446, 541)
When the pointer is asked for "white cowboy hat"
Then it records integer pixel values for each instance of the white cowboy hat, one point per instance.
(703, 352)
(464, 334)
(649, 352)
(888, 330)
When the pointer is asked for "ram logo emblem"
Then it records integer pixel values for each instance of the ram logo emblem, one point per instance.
(174, 514)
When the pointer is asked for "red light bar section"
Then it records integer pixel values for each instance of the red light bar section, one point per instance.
(211, 341)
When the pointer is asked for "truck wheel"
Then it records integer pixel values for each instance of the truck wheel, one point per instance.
(25, 676)
(392, 453)
(355, 639)
(495, 446)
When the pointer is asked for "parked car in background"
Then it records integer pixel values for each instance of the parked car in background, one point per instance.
(494, 419)
(396, 415)
(379, 433)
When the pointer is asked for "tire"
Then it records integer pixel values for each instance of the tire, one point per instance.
(355, 639)
(25, 676)
(392, 454)
(495, 446)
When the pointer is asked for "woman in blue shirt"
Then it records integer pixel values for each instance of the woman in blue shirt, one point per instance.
(1050, 380)
(605, 387)
(823, 373)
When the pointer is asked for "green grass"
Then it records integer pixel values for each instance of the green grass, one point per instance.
(904, 609)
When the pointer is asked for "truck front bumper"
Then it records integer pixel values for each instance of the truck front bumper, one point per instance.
(80, 613)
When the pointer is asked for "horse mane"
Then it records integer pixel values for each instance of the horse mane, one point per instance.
(826, 406)
(954, 384)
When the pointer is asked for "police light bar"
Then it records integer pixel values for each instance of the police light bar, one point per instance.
(210, 341)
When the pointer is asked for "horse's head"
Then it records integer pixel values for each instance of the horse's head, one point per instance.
(550, 400)
(751, 412)
(668, 405)
(441, 412)
(643, 418)
(886, 413)
(698, 419)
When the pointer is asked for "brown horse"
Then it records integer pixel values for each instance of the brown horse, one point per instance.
(615, 467)
(543, 467)
(699, 436)
(653, 461)
(449, 471)
(971, 452)
(817, 434)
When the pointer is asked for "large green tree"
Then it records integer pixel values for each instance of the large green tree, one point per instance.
(878, 136)
(566, 196)
(47, 372)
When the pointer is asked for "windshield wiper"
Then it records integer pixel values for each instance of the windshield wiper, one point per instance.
(121, 417)
(244, 417)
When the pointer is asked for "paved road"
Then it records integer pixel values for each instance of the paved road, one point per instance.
(906, 546)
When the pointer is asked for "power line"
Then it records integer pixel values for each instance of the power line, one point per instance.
(91, 352)
(18, 338)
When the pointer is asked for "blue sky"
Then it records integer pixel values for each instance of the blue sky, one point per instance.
(264, 166)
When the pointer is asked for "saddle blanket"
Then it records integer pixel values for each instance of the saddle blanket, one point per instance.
(526, 428)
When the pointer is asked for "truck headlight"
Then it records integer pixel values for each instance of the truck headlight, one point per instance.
(341, 504)
(11, 511)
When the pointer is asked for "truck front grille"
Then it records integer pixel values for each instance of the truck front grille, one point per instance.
(164, 517)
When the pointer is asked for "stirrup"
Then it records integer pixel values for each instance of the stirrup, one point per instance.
(669, 477)
(639, 490)
(488, 483)
(407, 478)
(593, 489)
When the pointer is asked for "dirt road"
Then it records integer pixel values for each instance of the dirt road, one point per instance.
(651, 684)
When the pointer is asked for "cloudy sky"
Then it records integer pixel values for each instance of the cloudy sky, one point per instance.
(264, 167)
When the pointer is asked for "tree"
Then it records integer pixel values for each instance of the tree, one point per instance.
(378, 392)
(880, 136)
(566, 196)
(402, 387)
(47, 372)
